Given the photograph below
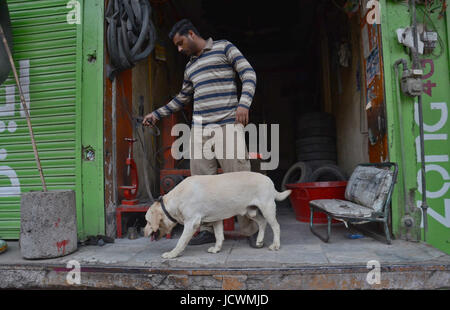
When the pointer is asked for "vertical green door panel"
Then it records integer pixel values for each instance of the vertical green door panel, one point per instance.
(436, 109)
(64, 93)
(91, 129)
(44, 50)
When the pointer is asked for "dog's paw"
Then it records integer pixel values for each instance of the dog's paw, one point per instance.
(274, 247)
(169, 255)
(213, 250)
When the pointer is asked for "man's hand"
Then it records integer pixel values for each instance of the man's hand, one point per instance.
(149, 120)
(242, 116)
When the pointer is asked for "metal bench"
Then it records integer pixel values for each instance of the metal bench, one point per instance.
(368, 196)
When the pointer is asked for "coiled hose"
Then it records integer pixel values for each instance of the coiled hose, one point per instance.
(130, 33)
(5, 66)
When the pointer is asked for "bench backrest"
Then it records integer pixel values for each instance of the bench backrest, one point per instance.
(369, 187)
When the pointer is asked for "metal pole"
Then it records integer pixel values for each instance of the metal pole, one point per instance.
(24, 106)
(402, 135)
(424, 205)
(114, 141)
(415, 55)
(416, 65)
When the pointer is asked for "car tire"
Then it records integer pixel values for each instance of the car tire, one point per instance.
(317, 156)
(328, 173)
(322, 131)
(298, 173)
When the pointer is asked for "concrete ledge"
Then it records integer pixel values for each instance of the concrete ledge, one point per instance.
(411, 276)
(303, 263)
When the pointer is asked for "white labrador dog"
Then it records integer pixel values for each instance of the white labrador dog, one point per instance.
(211, 199)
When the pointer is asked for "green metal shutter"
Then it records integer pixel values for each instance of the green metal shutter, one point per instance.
(45, 51)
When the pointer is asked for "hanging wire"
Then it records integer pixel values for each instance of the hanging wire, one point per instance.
(338, 6)
(426, 14)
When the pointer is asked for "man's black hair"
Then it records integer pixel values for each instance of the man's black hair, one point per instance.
(182, 28)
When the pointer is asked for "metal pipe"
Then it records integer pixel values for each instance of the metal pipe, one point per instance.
(416, 65)
(415, 51)
(114, 140)
(404, 63)
(424, 205)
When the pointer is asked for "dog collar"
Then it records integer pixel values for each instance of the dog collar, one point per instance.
(161, 201)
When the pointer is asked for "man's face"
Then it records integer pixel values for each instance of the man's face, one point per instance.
(185, 43)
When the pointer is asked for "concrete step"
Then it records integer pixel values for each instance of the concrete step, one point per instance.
(303, 262)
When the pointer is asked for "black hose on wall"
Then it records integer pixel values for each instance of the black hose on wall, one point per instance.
(130, 33)
(5, 66)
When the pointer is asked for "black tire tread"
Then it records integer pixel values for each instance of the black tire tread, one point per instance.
(332, 170)
(305, 176)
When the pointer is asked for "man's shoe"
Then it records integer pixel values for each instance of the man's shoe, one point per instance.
(252, 241)
(203, 237)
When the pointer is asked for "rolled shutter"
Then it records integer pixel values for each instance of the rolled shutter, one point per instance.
(45, 47)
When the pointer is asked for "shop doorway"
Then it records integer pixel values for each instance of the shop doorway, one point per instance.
(319, 72)
(308, 57)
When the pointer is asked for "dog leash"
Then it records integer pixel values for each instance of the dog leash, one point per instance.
(161, 201)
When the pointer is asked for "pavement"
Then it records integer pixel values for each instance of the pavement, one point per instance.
(303, 262)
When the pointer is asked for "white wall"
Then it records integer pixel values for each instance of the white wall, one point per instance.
(348, 108)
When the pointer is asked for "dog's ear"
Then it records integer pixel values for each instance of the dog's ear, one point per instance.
(148, 215)
(155, 218)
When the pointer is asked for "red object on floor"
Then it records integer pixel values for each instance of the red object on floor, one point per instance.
(303, 193)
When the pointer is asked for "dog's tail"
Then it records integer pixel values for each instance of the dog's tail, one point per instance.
(282, 196)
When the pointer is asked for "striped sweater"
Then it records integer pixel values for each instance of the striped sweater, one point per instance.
(210, 81)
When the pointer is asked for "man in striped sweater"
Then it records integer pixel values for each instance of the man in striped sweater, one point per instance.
(209, 83)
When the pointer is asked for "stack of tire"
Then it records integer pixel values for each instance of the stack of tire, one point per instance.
(316, 139)
(316, 151)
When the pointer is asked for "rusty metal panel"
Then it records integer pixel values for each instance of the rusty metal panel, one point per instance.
(374, 89)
